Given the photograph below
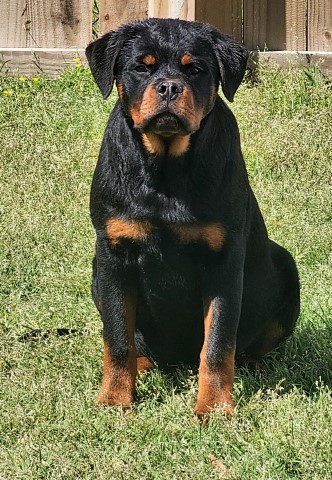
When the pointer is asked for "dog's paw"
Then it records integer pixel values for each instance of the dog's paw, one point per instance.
(204, 407)
(118, 398)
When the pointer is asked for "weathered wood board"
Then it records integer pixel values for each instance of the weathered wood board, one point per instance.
(45, 24)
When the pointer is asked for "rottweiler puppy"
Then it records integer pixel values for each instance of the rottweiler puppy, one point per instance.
(184, 271)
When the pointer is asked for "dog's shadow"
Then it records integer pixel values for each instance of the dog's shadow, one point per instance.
(303, 363)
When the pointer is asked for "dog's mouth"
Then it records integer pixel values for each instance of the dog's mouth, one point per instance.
(165, 124)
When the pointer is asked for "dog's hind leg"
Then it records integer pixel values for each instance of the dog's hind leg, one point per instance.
(144, 360)
(286, 311)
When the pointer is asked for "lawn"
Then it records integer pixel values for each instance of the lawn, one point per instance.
(50, 427)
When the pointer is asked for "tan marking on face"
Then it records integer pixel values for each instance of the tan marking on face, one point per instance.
(146, 108)
(118, 228)
(153, 143)
(135, 114)
(212, 234)
(118, 384)
(179, 145)
(149, 60)
(185, 107)
(185, 59)
(215, 388)
(120, 90)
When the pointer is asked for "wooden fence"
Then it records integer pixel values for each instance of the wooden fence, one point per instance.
(45, 35)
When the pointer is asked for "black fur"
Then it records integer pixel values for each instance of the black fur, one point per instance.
(252, 281)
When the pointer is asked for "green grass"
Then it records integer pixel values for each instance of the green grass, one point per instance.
(50, 427)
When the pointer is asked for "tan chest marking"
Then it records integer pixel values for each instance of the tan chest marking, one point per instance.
(118, 228)
(155, 144)
(212, 234)
(179, 145)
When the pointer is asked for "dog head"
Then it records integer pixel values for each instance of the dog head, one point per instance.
(167, 74)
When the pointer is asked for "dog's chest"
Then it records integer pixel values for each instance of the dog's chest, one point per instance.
(144, 233)
(178, 209)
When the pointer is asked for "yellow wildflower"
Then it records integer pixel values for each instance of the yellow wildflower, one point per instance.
(22, 79)
(77, 60)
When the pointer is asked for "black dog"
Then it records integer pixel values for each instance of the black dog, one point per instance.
(184, 272)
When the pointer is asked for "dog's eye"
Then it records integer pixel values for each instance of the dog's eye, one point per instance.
(192, 69)
(141, 69)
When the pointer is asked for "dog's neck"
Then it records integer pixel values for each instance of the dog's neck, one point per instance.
(173, 146)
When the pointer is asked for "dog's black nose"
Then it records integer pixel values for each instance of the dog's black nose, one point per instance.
(169, 90)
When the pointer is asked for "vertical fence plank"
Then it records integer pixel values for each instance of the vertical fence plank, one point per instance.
(113, 13)
(59, 24)
(225, 15)
(264, 24)
(40, 24)
(183, 9)
(277, 25)
(254, 24)
(12, 25)
(295, 12)
(320, 25)
(158, 8)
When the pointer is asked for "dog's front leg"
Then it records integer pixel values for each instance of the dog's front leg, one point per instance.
(222, 307)
(117, 297)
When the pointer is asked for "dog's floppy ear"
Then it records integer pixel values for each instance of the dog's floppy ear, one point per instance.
(232, 60)
(102, 55)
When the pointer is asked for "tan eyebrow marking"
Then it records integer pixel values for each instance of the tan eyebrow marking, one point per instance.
(185, 59)
(149, 60)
